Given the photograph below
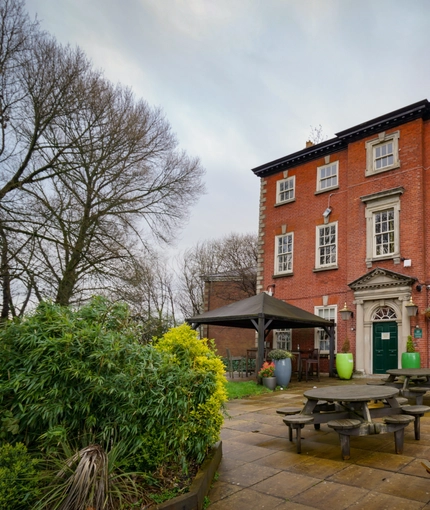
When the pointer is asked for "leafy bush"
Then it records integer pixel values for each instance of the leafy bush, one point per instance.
(280, 354)
(18, 481)
(74, 375)
(81, 377)
(410, 346)
(202, 393)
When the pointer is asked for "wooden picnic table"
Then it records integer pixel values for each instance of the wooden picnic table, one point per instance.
(352, 400)
(415, 384)
(346, 410)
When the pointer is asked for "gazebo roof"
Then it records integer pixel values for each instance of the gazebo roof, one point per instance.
(245, 314)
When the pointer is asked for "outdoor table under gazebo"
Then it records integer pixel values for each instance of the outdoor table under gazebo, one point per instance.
(265, 313)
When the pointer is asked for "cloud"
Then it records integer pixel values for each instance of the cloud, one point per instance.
(242, 82)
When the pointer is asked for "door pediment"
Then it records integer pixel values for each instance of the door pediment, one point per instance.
(380, 278)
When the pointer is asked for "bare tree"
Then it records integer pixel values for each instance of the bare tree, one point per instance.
(87, 172)
(121, 181)
(317, 135)
(147, 286)
(240, 252)
(233, 257)
(41, 85)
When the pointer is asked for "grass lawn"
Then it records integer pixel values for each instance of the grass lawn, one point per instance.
(244, 389)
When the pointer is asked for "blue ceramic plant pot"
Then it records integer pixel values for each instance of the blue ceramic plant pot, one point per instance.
(283, 371)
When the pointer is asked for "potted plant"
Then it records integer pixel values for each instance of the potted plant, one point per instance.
(411, 358)
(282, 359)
(426, 312)
(267, 373)
(345, 361)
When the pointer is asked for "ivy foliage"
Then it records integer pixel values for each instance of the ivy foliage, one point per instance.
(82, 377)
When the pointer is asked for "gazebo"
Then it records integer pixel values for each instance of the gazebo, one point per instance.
(265, 313)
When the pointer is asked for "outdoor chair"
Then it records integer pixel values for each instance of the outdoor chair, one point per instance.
(311, 363)
(235, 360)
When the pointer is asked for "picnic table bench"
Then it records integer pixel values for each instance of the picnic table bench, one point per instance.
(345, 409)
(413, 383)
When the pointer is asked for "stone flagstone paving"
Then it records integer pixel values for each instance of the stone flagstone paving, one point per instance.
(260, 468)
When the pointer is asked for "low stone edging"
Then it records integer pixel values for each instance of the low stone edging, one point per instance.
(194, 499)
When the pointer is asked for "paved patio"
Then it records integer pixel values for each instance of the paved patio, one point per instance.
(260, 468)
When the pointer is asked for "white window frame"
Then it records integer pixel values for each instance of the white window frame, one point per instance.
(322, 179)
(287, 254)
(283, 339)
(375, 205)
(378, 144)
(320, 247)
(384, 233)
(329, 313)
(291, 190)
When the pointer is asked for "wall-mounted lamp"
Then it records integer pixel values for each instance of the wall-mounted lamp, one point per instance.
(411, 308)
(327, 212)
(420, 286)
(270, 289)
(346, 313)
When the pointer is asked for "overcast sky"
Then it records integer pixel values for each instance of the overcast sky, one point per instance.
(243, 82)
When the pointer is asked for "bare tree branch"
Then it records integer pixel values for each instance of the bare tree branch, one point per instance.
(233, 257)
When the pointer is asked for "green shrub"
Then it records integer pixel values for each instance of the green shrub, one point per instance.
(81, 377)
(200, 390)
(410, 346)
(70, 375)
(18, 477)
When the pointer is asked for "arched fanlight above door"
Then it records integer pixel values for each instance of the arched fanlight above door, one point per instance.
(384, 313)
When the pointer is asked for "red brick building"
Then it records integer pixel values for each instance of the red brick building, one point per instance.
(347, 221)
(220, 290)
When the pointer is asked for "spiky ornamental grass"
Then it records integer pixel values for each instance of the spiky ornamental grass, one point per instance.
(88, 479)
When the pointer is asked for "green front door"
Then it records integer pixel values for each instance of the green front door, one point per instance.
(384, 346)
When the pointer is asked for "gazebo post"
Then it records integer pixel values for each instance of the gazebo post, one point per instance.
(265, 313)
(260, 352)
(330, 332)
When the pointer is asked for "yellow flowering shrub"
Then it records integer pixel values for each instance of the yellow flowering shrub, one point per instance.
(207, 390)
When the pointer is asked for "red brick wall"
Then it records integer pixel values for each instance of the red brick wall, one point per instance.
(306, 287)
(221, 293)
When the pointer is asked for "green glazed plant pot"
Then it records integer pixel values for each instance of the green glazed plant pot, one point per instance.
(269, 382)
(344, 365)
(411, 360)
